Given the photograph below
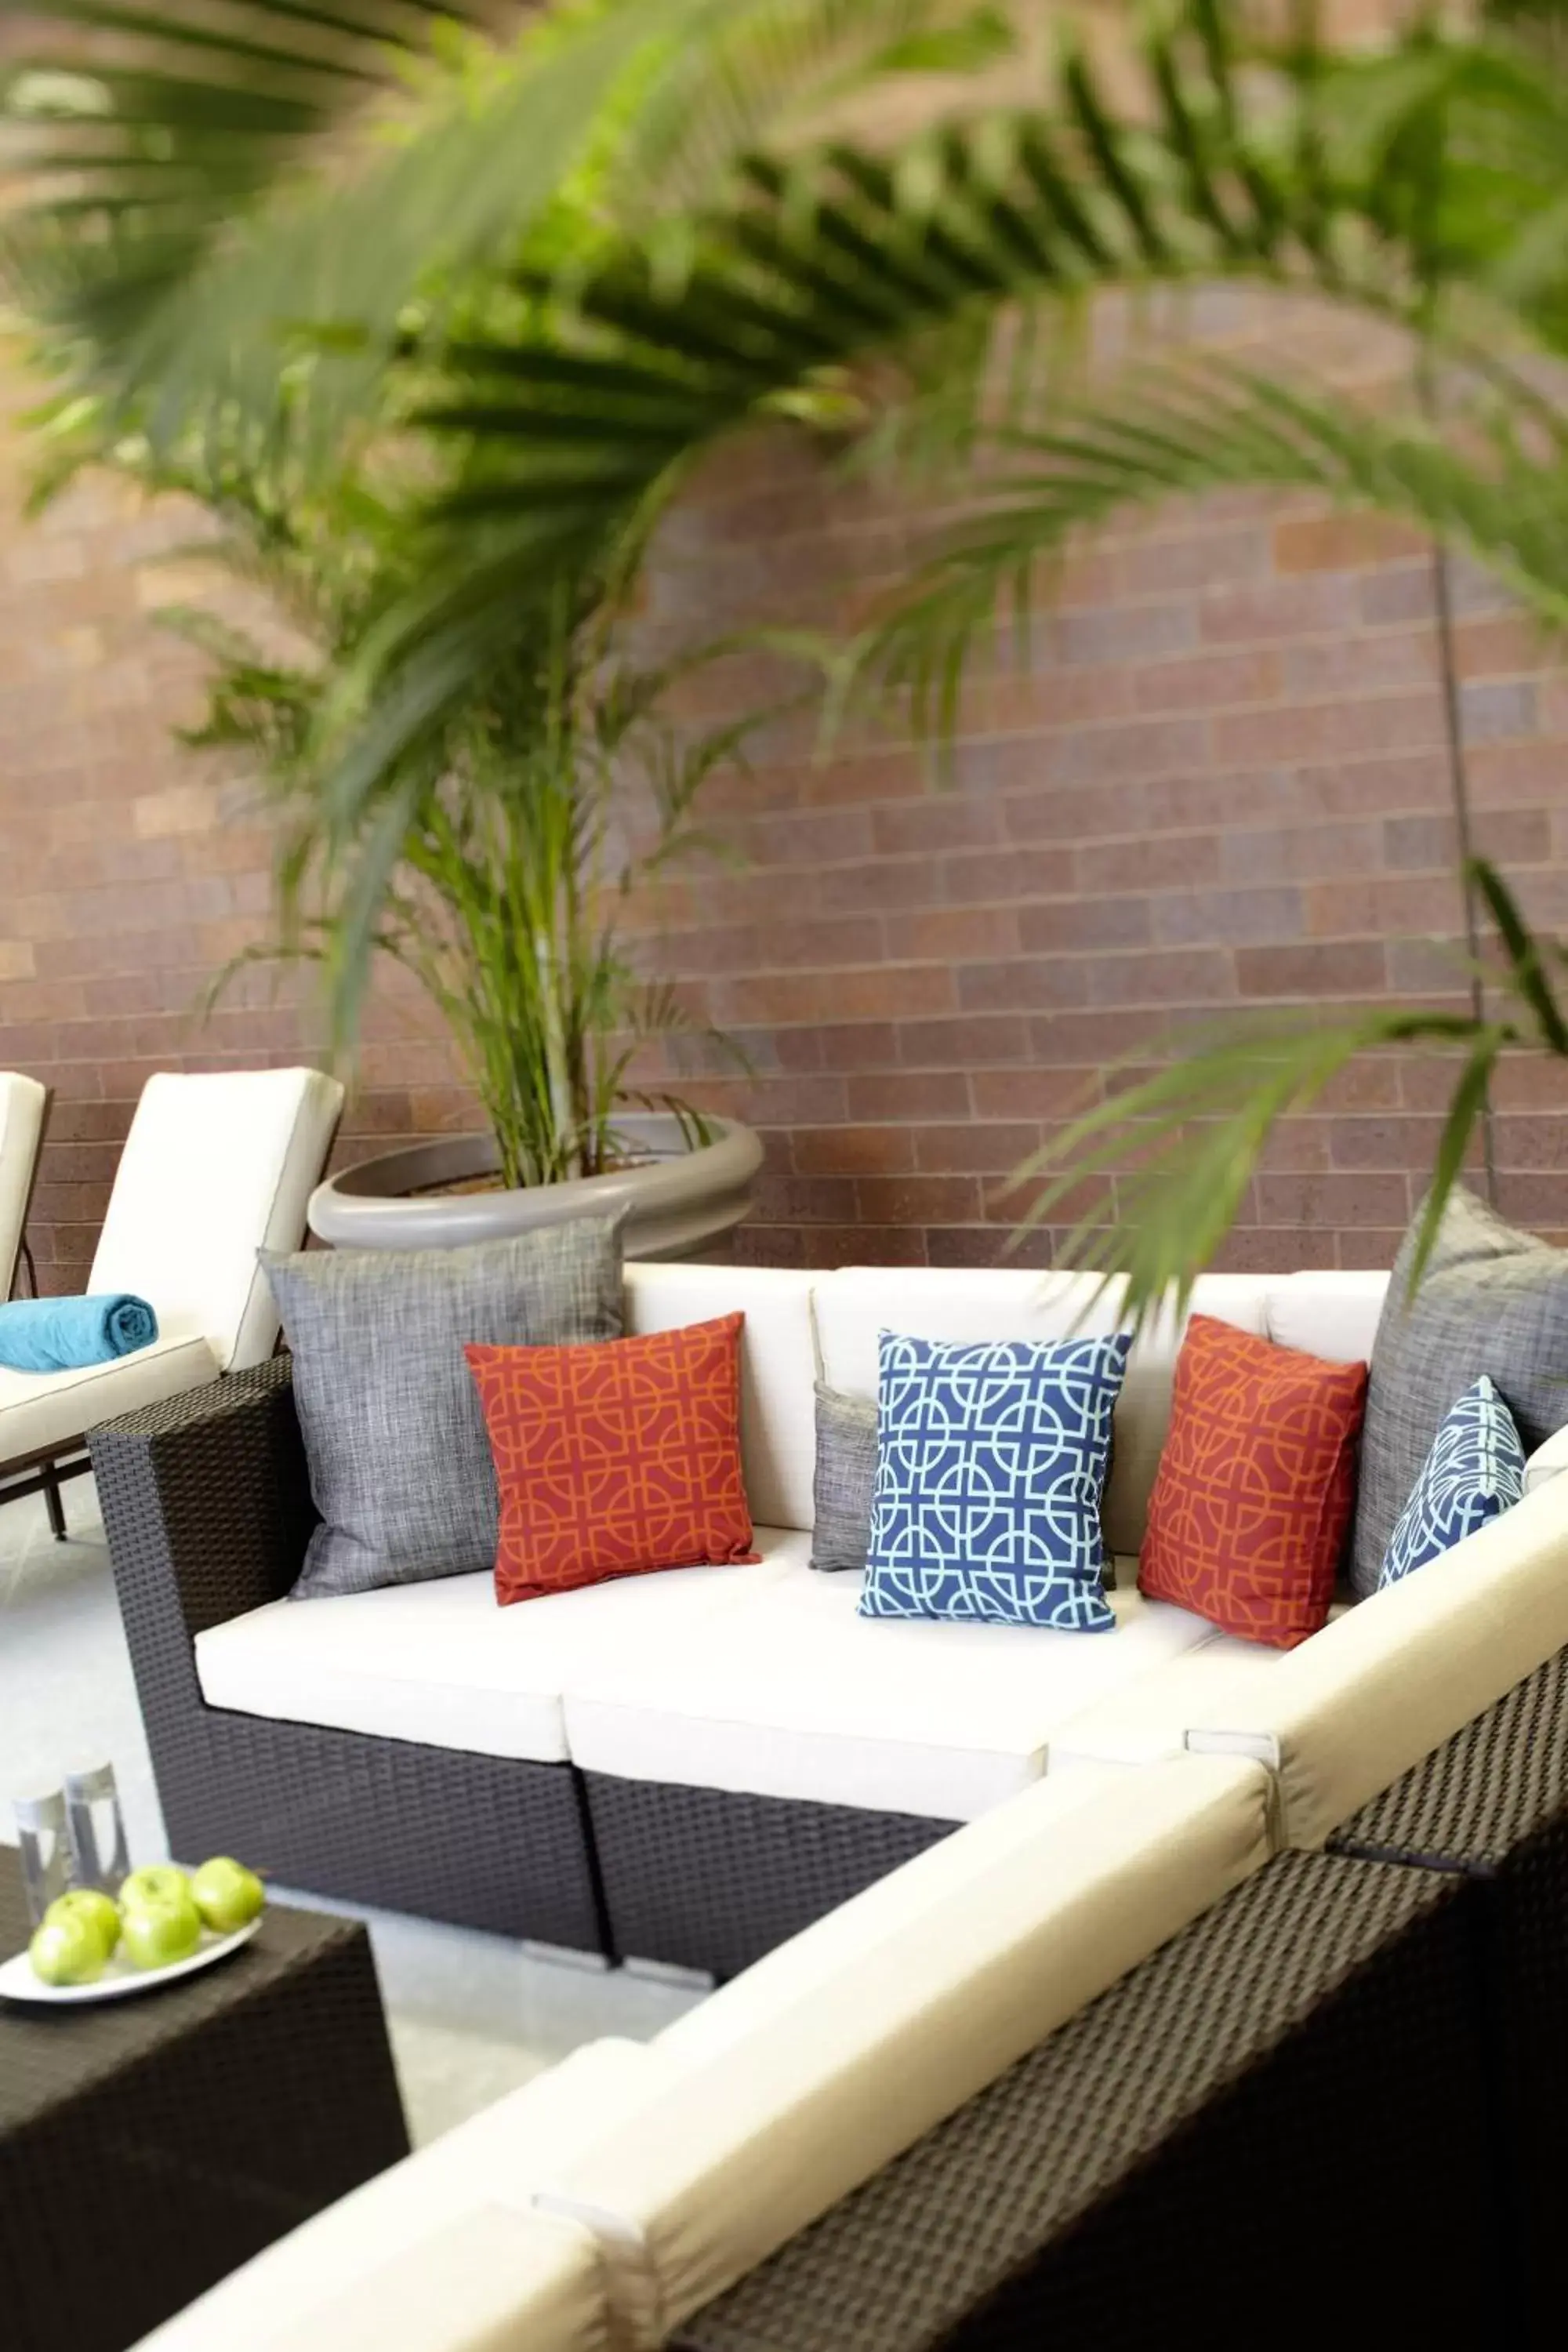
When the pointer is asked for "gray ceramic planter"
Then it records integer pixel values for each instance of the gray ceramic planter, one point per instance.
(678, 1202)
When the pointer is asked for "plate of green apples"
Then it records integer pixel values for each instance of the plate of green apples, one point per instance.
(164, 1923)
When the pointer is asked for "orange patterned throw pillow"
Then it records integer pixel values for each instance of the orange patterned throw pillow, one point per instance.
(1257, 1483)
(614, 1457)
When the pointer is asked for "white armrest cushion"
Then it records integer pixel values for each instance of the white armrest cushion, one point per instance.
(490, 2280)
(1374, 1692)
(494, 2159)
(768, 2128)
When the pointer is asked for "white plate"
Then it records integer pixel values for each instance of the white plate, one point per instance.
(17, 1981)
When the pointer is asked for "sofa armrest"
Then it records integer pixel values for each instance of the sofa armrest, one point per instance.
(1343, 1715)
(1547, 1461)
(207, 1503)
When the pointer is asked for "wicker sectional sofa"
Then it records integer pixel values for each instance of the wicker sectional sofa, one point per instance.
(934, 1859)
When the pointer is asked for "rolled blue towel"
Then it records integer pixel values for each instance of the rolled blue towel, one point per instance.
(61, 1335)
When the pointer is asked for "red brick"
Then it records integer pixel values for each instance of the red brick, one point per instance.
(939, 934)
(1342, 542)
(1269, 610)
(974, 1149)
(992, 876)
(1351, 968)
(918, 1199)
(1332, 1200)
(938, 822)
(1207, 682)
(1024, 984)
(914, 1095)
(854, 1151)
(982, 1245)
(1180, 976)
(970, 1041)
(1064, 926)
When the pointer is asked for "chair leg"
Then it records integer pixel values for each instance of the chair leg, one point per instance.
(53, 1502)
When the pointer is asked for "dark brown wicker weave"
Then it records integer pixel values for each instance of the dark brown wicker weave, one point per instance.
(1276, 2129)
(206, 1504)
(149, 2146)
(710, 1879)
(1492, 1805)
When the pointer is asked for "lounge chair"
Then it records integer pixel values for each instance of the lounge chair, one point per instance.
(215, 1166)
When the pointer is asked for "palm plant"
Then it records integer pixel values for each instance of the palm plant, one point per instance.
(503, 885)
(927, 286)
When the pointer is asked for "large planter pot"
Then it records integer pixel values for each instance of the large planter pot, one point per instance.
(678, 1202)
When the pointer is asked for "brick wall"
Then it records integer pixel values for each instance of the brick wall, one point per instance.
(1220, 783)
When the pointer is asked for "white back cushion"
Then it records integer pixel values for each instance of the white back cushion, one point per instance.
(1327, 1314)
(778, 1368)
(819, 2066)
(1391, 1679)
(216, 1166)
(22, 1101)
(1000, 1303)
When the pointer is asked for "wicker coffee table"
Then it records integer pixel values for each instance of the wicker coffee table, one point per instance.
(151, 2145)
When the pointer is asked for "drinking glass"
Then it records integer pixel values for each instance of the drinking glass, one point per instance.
(43, 1838)
(97, 1828)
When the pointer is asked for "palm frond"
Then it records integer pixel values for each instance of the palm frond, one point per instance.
(210, 189)
(1165, 1161)
(1176, 430)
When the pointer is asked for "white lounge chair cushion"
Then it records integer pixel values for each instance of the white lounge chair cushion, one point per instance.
(39, 1409)
(442, 1664)
(778, 1368)
(1391, 1679)
(791, 1693)
(495, 2161)
(824, 2061)
(22, 1101)
(218, 1164)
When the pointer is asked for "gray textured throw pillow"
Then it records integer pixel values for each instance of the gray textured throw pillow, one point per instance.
(845, 1474)
(1493, 1300)
(400, 1461)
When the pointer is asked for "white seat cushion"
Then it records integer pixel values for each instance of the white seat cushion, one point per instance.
(38, 1410)
(496, 2158)
(442, 1664)
(778, 1368)
(217, 1165)
(822, 2064)
(1386, 1683)
(793, 1694)
(1146, 1722)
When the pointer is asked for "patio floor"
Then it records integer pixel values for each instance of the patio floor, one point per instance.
(471, 2015)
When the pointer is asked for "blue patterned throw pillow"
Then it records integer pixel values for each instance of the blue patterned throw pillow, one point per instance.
(991, 1460)
(1474, 1473)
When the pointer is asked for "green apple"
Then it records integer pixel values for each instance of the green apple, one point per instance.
(227, 1895)
(153, 1935)
(68, 1951)
(90, 1903)
(158, 1882)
